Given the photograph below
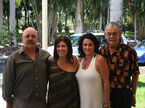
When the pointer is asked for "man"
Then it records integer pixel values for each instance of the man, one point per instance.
(123, 66)
(25, 77)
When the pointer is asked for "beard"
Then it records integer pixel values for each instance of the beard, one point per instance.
(30, 44)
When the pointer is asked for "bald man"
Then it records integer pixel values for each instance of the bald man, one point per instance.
(25, 77)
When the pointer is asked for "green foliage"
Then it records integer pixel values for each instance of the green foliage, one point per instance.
(18, 36)
(18, 3)
(1, 36)
(25, 15)
(5, 37)
(129, 34)
(67, 29)
(140, 94)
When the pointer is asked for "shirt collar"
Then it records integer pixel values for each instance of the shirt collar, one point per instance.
(118, 49)
(21, 50)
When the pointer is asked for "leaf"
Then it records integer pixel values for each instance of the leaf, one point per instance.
(18, 3)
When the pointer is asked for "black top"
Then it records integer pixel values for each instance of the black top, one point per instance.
(63, 88)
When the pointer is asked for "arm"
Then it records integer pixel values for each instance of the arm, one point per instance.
(102, 67)
(135, 72)
(76, 64)
(9, 105)
(79, 59)
(134, 87)
(8, 81)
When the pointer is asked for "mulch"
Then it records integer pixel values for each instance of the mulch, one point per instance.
(7, 50)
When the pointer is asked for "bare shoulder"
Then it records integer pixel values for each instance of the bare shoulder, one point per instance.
(100, 59)
(51, 58)
(101, 63)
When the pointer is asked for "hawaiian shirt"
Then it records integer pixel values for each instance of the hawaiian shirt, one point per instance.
(123, 64)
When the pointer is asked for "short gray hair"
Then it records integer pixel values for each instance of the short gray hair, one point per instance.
(111, 24)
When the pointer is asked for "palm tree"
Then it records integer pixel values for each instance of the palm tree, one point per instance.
(94, 14)
(67, 8)
(12, 23)
(133, 9)
(116, 11)
(1, 17)
(79, 16)
(37, 16)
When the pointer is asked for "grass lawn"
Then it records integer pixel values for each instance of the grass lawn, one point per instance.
(140, 94)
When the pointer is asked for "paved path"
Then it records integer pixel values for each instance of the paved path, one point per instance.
(2, 102)
(142, 70)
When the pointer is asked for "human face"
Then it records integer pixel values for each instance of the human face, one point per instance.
(30, 38)
(62, 49)
(112, 35)
(88, 47)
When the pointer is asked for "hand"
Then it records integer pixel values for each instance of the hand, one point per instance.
(79, 59)
(107, 105)
(9, 105)
(133, 101)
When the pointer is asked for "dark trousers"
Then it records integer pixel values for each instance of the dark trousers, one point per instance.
(18, 103)
(120, 98)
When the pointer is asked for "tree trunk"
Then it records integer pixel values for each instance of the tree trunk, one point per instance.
(116, 11)
(1, 20)
(143, 28)
(34, 6)
(12, 25)
(108, 13)
(52, 24)
(78, 17)
(140, 28)
(60, 23)
(26, 25)
(100, 17)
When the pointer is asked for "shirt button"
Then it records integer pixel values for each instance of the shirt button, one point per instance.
(36, 86)
(36, 94)
(36, 78)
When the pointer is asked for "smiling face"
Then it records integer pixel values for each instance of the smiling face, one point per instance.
(88, 47)
(62, 49)
(29, 38)
(112, 34)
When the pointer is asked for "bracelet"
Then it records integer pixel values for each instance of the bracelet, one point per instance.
(106, 104)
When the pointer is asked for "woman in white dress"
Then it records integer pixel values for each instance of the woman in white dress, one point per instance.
(93, 74)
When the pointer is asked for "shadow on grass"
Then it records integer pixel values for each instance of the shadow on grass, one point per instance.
(141, 84)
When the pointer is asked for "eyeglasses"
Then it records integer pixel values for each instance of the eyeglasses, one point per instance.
(30, 36)
(112, 33)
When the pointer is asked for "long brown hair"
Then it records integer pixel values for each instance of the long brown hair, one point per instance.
(68, 43)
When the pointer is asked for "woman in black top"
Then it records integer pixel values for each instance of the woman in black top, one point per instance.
(63, 88)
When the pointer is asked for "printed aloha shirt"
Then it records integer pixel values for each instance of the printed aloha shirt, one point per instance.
(122, 65)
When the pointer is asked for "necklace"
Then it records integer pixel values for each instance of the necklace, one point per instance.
(85, 61)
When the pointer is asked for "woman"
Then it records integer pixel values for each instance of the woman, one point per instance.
(63, 89)
(93, 74)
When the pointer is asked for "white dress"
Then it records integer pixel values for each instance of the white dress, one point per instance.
(90, 86)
